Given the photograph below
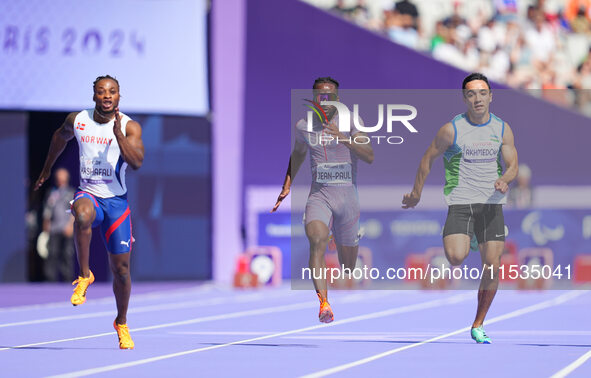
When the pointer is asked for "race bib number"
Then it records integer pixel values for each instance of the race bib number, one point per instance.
(95, 171)
(334, 173)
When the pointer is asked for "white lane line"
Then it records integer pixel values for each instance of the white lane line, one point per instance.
(222, 333)
(110, 299)
(526, 310)
(575, 364)
(245, 298)
(398, 310)
(233, 315)
(239, 314)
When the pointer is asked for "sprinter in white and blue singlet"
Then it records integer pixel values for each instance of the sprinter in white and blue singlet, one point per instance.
(473, 145)
(333, 202)
(108, 142)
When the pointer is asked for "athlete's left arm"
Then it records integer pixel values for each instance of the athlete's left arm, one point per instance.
(363, 151)
(130, 145)
(509, 153)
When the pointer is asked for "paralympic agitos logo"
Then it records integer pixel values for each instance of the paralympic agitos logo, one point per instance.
(392, 115)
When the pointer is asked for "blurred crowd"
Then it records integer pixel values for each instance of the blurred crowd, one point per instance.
(537, 45)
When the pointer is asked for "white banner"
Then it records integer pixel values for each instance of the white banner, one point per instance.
(52, 50)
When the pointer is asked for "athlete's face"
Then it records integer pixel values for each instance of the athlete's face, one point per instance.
(477, 97)
(106, 96)
(326, 92)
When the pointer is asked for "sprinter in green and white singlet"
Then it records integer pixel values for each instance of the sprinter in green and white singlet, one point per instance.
(473, 145)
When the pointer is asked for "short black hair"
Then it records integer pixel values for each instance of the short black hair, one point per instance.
(326, 79)
(102, 78)
(475, 76)
(406, 7)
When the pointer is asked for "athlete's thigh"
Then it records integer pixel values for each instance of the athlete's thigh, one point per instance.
(317, 216)
(460, 220)
(490, 224)
(116, 228)
(346, 214)
(457, 232)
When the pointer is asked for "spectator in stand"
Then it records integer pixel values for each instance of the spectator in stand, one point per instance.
(439, 37)
(540, 39)
(402, 24)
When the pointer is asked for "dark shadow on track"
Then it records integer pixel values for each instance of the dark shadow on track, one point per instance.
(408, 341)
(558, 345)
(462, 342)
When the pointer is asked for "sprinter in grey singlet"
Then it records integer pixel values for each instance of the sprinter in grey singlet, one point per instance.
(333, 202)
(472, 145)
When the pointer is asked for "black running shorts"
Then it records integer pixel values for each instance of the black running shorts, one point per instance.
(484, 220)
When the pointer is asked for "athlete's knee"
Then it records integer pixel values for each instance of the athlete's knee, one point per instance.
(318, 240)
(83, 217)
(492, 265)
(455, 258)
(120, 270)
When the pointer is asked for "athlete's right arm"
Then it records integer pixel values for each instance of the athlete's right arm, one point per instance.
(295, 162)
(58, 142)
(443, 140)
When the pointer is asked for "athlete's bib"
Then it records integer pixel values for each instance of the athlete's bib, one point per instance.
(334, 173)
(95, 171)
(481, 151)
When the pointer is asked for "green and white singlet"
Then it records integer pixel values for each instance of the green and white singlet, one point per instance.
(472, 163)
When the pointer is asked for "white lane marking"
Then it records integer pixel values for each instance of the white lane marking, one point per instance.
(526, 310)
(571, 367)
(159, 307)
(110, 299)
(233, 315)
(222, 333)
(398, 310)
